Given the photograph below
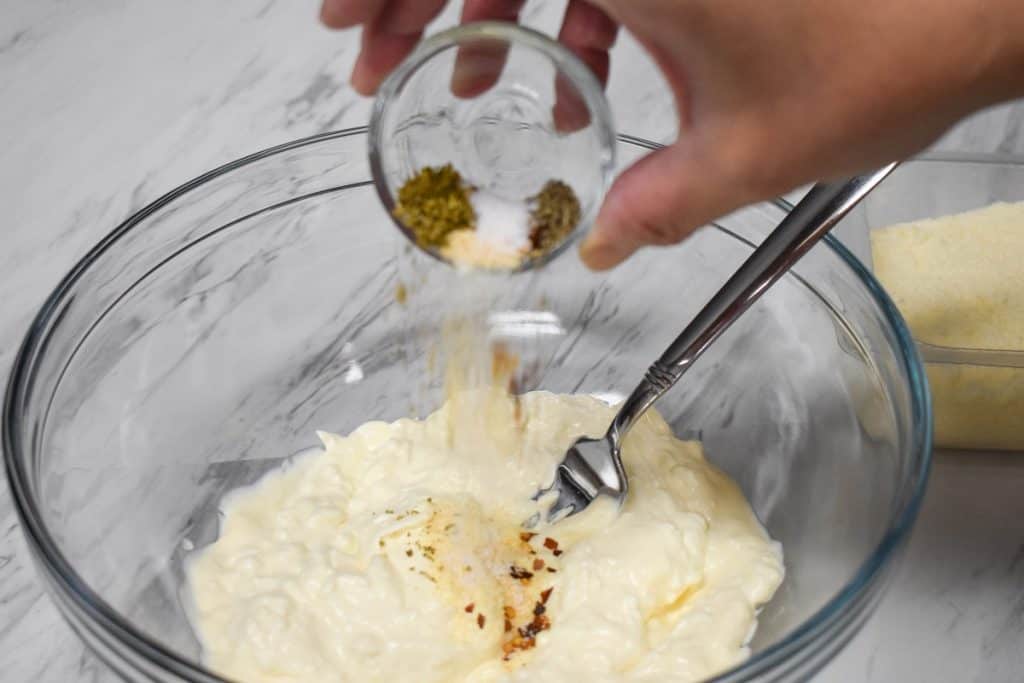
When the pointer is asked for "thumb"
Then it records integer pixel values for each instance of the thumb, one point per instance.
(661, 199)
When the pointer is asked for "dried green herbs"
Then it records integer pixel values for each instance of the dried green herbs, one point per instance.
(433, 204)
(555, 214)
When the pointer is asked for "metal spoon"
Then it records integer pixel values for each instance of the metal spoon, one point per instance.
(593, 467)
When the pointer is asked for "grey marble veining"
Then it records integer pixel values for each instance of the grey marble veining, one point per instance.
(108, 104)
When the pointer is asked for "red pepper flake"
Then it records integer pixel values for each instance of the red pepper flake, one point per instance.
(481, 620)
(525, 637)
(470, 607)
(511, 646)
(539, 623)
(550, 543)
(552, 570)
(556, 553)
(538, 564)
(526, 536)
(519, 573)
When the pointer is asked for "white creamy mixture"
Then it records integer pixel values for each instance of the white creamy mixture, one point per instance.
(397, 554)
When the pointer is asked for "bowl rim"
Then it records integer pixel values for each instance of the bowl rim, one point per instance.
(85, 600)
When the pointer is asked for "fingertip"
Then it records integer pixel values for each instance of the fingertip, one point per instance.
(603, 248)
(380, 54)
(332, 16)
(602, 256)
(478, 67)
(325, 15)
(569, 118)
(570, 112)
(363, 86)
(362, 80)
(466, 84)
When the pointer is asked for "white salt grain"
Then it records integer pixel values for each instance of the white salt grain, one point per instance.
(501, 223)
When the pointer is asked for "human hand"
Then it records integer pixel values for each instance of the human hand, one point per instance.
(770, 95)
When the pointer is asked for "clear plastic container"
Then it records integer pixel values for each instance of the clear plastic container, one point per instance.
(977, 390)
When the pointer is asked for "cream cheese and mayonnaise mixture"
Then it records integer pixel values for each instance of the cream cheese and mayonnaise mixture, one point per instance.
(398, 553)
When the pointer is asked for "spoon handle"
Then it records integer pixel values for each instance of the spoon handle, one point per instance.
(817, 213)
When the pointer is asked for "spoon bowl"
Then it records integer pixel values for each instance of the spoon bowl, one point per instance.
(591, 468)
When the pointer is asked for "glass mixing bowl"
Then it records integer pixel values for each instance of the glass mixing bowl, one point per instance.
(203, 342)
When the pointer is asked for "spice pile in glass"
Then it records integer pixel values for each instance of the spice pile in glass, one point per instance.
(473, 227)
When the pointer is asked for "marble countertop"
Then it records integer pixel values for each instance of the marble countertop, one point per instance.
(105, 105)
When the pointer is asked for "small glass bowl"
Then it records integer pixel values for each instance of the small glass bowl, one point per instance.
(508, 107)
